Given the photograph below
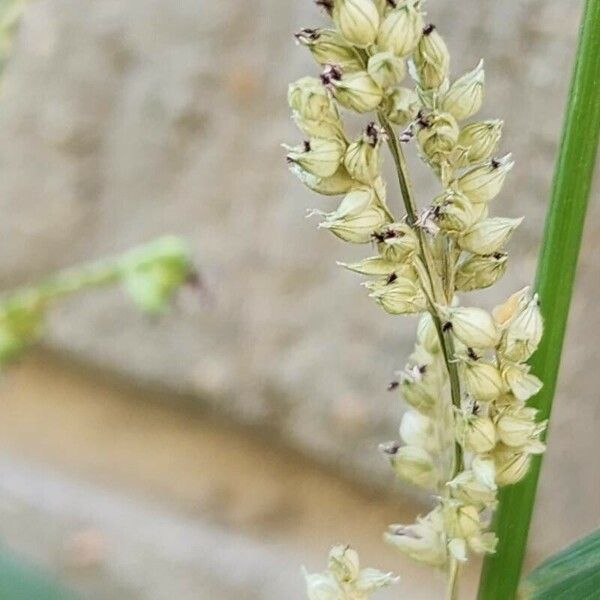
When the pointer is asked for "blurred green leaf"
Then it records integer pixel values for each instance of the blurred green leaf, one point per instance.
(20, 581)
(573, 574)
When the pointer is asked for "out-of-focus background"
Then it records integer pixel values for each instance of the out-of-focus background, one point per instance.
(208, 454)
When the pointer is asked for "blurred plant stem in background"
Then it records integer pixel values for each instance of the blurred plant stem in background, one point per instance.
(555, 280)
(151, 274)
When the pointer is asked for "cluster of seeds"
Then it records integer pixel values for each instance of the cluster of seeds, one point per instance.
(468, 430)
(344, 579)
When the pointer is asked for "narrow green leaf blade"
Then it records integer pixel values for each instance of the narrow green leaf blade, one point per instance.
(557, 267)
(573, 574)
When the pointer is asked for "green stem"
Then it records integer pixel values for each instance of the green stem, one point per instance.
(555, 279)
(446, 341)
(401, 169)
(65, 283)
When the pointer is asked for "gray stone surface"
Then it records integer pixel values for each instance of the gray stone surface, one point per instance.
(124, 120)
(108, 545)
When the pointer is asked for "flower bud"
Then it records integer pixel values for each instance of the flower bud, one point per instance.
(437, 136)
(517, 427)
(324, 129)
(432, 59)
(318, 156)
(476, 434)
(524, 333)
(535, 445)
(511, 466)
(484, 183)
(488, 236)
(363, 157)
(339, 183)
(467, 488)
(328, 47)
(311, 100)
(359, 198)
(427, 334)
(474, 327)
(344, 563)
(356, 91)
(453, 212)
(418, 430)
(521, 382)
(464, 528)
(344, 579)
(479, 272)
(386, 70)
(484, 469)
(462, 521)
(402, 296)
(478, 141)
(356, 228)
(457, 547)
(401, 29)
(505, 313)
(415, 465)
(465, 96)
(357, 216)
(420, 390)
(483, 380)
(323, 586)
(403, 105)
(396, 242)
(506, 401)
(372, 266)
(423, 541)
(357, 20)
(484, 543)
(515, 432)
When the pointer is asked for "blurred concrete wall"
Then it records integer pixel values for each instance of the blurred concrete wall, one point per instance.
(121, 121)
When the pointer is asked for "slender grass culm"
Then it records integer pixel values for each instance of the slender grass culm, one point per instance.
(556, 273)
(469, 429)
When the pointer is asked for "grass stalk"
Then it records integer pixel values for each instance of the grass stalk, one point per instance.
(555, 279)
(445, 339)
(446, 342)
